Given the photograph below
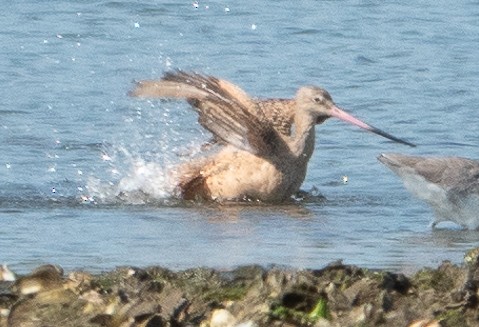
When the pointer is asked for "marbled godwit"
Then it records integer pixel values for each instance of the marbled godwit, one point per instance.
(450, 185)
(266, 143)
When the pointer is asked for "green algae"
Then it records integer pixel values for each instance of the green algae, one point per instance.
(435, 279)
(230, 292)
(320, 311)
(452, 318)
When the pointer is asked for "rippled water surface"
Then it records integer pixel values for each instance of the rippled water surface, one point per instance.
(84, 168)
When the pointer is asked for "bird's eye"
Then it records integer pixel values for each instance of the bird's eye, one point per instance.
(318, 100)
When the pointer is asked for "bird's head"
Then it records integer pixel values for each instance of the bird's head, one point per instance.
(320, 105)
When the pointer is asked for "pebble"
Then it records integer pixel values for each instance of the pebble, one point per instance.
(425, 323)
(6, 275)
(222, 318)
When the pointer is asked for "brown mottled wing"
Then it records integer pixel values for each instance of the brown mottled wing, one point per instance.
(224, 109)
(280, 112)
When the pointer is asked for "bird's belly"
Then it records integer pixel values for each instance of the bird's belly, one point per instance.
(430, 192)
(459, 208)
(239, 175)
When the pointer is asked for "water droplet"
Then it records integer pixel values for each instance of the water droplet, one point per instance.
(105, 157)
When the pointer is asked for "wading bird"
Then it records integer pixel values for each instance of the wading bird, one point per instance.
(450, 185)
(265, 145)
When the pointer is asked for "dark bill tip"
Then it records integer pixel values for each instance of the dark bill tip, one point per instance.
(389, 136)
(341, 114)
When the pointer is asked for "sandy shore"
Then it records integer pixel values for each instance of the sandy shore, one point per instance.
(337, 295)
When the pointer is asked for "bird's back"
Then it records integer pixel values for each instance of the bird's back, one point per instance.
(280, 112)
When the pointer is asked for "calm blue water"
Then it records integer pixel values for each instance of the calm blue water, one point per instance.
(83, 167)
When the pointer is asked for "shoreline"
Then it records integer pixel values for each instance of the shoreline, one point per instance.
(336, 295)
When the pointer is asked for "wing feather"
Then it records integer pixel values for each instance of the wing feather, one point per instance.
(224, 109)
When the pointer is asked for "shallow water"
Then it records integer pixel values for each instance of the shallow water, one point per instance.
(83, 167)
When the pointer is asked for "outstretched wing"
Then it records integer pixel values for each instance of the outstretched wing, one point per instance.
(224, 109)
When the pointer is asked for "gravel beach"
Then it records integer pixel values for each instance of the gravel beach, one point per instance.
(337, 295)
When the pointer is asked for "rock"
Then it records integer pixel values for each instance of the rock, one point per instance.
(6, 275)
(323, 323)
(43, 278)
(222, 318)
(396, 282)
(247, 324)
(251, 296)
(336, 298)
(425, 323)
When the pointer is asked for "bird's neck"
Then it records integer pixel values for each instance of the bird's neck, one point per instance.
(303, 137)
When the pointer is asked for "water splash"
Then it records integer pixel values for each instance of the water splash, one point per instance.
(139, 169)
(145, 182)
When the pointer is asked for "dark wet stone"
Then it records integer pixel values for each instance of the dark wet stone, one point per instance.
(337, 295)
(396, 282)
